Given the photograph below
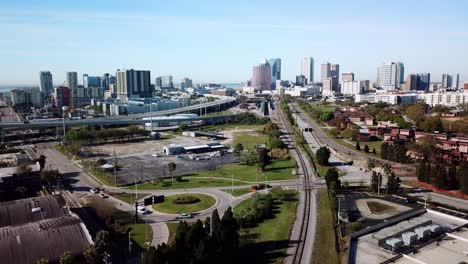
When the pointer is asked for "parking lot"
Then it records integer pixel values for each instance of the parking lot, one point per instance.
(147, 167)
(145, 161)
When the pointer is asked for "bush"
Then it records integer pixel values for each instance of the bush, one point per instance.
(186, 200)
(178, 178)
(278, 153)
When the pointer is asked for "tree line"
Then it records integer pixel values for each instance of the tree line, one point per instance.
(444, 176)
(216, 240)
(394, 152)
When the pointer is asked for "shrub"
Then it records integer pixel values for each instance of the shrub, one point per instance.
(186, 200)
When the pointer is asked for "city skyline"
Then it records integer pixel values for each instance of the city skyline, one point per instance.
(161, 36)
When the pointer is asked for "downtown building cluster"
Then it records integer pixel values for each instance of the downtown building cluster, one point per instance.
(392, 85)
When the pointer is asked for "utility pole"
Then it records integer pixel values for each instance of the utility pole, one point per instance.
(151, 114)
(115, 169)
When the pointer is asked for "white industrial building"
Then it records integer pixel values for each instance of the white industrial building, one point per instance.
(178, 120)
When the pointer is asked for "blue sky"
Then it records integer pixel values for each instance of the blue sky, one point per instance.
(219, 41)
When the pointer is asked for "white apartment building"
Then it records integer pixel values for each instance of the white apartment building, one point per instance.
(354, 87)
(393, 99)
(450, 99)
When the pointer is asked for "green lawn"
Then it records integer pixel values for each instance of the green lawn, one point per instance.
(141, 234)
(168, 206)
(238, 192)
(371, 144)
(242, 174)
(276, 170)
(186, 183)
(172, 230)
(225, 112)
(325, 243)
(233, 126)
(101, 176)
(268, 241)
(127, 197)
(249, 139)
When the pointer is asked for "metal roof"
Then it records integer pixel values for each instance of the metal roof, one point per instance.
(47, 238)
(20, 212)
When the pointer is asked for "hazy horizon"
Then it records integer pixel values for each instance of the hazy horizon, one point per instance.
(209, 42)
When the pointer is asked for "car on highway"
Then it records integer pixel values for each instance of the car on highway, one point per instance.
(103, 195)
(184, 216)
(155, 155)
(94, 191)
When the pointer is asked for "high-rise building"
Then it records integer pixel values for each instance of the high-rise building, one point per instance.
(91, 81)
(390, 75)
(411, 82)
(275, 65)
(446, 80)
(307, 68)
(418, 82)
(347, 76)
(26, 97)
(261, 76)
(456, 81)
(62, 96)
(301, 80)
(72, 83)
(186, 83)
(326, 71)
(133, 83)
(46, 85)
(332, 72)
(164, 82)
(451, 81)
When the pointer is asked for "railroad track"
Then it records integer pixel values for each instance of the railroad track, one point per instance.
(304, 229)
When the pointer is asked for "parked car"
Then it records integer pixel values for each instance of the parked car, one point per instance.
(184, 216)
(143, 210)
(94, 191)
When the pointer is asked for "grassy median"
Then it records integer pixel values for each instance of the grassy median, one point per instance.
(268, 241)
(325, 242)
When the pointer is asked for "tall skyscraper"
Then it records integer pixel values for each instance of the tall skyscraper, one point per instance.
(186, 83)
(46, 85)
(446, 80)
(164, 82)
(275, 65)
(91, 81)
(390, 75)
(335, 75)
(307, 69)
(72, 83)
(261, 76)
(132, 83)
(456, 81)
(326, 71)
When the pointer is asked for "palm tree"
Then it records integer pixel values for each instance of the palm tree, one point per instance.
(171, 166)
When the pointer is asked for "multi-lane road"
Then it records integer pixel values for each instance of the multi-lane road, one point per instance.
(135, 119)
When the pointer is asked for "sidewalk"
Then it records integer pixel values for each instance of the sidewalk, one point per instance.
(160, 233)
